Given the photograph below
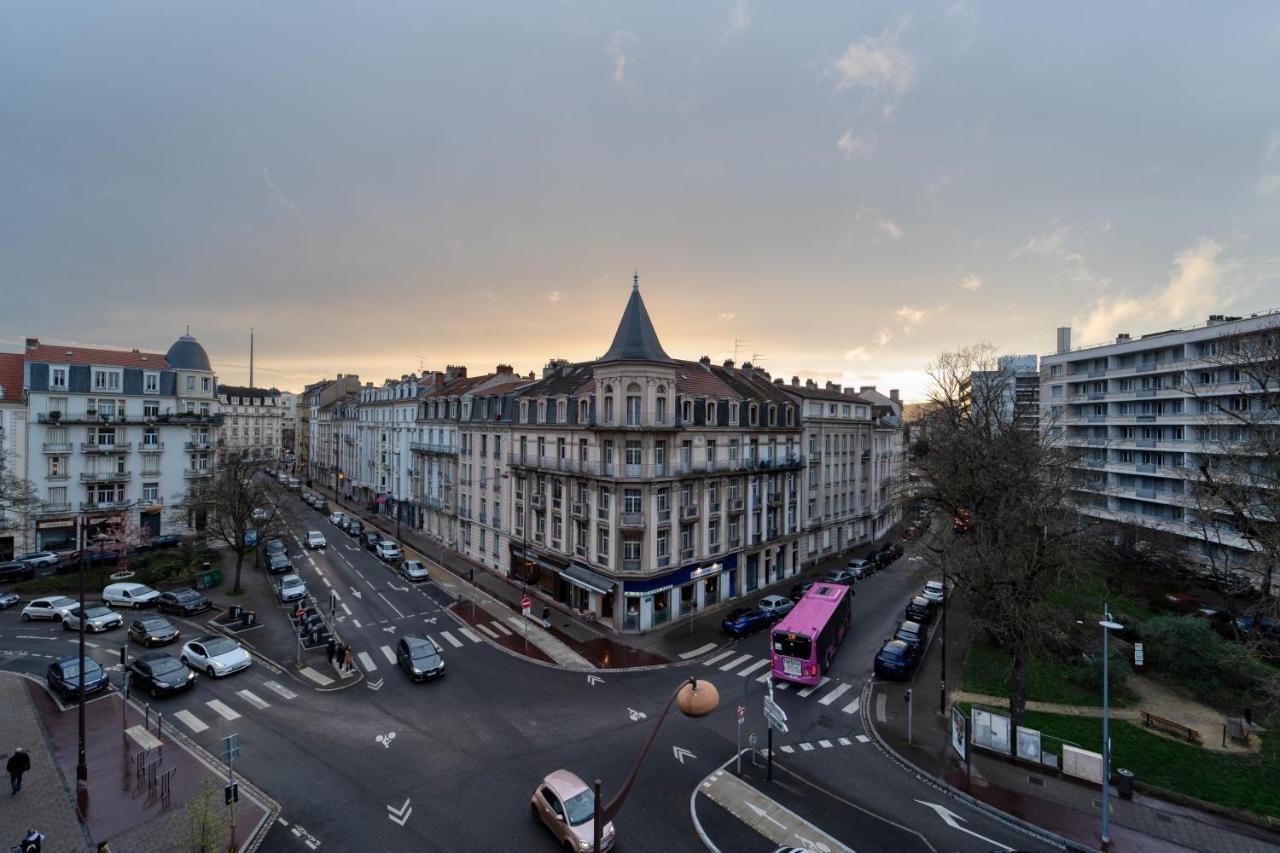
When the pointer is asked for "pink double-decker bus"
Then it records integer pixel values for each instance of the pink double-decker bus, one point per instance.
(804, 643)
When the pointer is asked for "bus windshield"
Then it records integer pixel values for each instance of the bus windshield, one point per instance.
(792, 645)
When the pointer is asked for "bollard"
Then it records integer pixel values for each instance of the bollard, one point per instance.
(146, 709)
(159, 722)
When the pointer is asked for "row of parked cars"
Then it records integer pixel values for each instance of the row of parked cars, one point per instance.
(899, 655)
(157, 673)
(24, 566)
(387, 550)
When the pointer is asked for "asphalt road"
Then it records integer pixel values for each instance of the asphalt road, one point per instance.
(450, 764)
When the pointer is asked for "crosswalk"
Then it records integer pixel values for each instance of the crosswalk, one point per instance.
(202, 714)
(369, 664)
(828, 691)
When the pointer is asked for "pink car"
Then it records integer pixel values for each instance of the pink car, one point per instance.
(566, 806)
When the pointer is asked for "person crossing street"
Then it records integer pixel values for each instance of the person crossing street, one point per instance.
(18, 764)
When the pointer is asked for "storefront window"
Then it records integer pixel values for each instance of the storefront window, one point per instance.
(661, 608)
(753, 573)
(633, 614)
(688, 598)
(711, 592)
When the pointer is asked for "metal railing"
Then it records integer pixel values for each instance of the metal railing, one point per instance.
(94, 447)
(105, 476)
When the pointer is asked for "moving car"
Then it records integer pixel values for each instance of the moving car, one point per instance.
(336, 518)
(920, 609)
(315, 539)
(38, 559)
(160, 674)
(745, 620)
(775, 606)
(278, 563)
(387, 551)
(895, 659)
(184, 602)
(933, 591)
(97, 618)
(15, 571)
(63, 676)
(861, 569)
(215, 656)
(159, 543)
(8, 599)
(294, 484)
(564, 804)
(911, 633)
(413, 570)
(841, 576)
(52, 607)
(292, 588)
(153, 631)
(419, 657)
(130, 595)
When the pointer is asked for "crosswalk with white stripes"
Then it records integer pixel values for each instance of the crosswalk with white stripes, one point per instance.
(369, 663)
(749, 665)
(194, 717)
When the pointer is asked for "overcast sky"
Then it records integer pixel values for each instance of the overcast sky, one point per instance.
(847, 187)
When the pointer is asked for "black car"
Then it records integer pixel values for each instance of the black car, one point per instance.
(159, 543)
(279, 564)
(64, 677)
(419, 657)
(160, 674)
(370, 539)
(276, 546)
(920, 610)
(184, 602)
(798, 590)
(911, 633)
(16, 572)
(153, 631)
(355, 528)
(883, 557)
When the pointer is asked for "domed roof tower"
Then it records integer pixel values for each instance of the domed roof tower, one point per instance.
(187, 354)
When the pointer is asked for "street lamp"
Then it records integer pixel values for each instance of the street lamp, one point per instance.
(695, 699)
(1107, 626)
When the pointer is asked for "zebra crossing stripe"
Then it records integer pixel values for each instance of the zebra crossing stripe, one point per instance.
(862, 738)
(281, 689)
(735, 663)
(786, 748)
(844, 741)
(253, 700)
(852, 707)
(366, 661)
(502, 629)
(825, 744)
(808, 691)
(222, 710)
(490, 633)
(517, 621)
(716, 658)
(470, 635)
(754, 667)
(453, 641)
(782, 685)
(191, 721)
(388, 654)
(762, 679)
(807, 747)
(834, 695)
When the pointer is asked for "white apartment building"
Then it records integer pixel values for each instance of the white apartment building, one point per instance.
(13, 447)
(1144, 414)
(1019, 378)
(253, 421)
(885, 484)
(116, 432)
(322, 456)
(290, 428)
(385, 426)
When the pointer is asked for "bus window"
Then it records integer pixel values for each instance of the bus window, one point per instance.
(791, 645)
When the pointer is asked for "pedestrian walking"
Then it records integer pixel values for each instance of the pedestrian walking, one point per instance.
(18, 764)
(333, 650)
(346, 660)
(31, 842)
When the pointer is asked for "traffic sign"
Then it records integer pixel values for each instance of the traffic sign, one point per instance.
(775, 723)
(742, 714)
(526, 603)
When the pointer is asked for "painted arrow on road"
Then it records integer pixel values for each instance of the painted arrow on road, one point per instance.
(762, 813)
(952, 820)
(397, 588)
(356, 592)
(681, 753)
(374, 685)
(400, 816)
(592, 680)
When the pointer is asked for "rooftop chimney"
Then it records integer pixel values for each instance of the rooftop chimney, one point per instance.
(809, 383)
(893, 395)
(1064, 339)
(779, 381)
(705, 361)
(454, 371)
(32, 343)
(795, 381)
(831, 386)
(728, 363)
(1122, 337)
(866, 389)
(504, 369)
(746, 365)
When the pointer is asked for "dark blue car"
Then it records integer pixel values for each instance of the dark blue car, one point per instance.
(745, 620)
(896, 659)
(64, 677)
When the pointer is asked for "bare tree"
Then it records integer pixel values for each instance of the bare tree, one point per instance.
(1015, 487)
(18, 501)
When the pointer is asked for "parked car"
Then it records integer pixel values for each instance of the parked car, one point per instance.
(130, 595)
(94, 554)
(320, 504)
(184, 602)
(8, 599)
(259, 514)
(160, 674)
(775, 606)
(933, 591)
(335, 518)
(282, 477)
(276, 546)
(419, 657)
(883, 558)
(861, 569)
(911, 633)
(745, 620)
(291, 588)
(63, 676)
(97, 618)
(565, 805)
(215, 656)
(50, 607)
(279, 563)
(15, 571)
(355, 528)
(799, 589)
(895, 659)
(159, 543)
(294, 484)
(920, 610)
(153, 631)
(413, 570)
(315, 539)
(387, 551)
(1259, 625)
(38, 559)
(369, 540)
(840, 576)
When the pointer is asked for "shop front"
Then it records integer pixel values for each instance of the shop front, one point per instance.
(654, 602)
(56, 535)
(590, 591)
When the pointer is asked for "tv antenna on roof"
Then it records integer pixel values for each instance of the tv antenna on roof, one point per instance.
(738, 343)
(757, 357)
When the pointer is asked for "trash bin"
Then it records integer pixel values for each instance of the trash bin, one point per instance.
(236, 611)
(1124, 783)
(249, 618)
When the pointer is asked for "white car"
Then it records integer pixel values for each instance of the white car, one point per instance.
(97, 618)
(51, 607)
(933, 591)
(775, 606)
(315, 539)
(337, 517)
(292, 588)
(215, 656)
(130, 595)
(387, 551)
(38, 559)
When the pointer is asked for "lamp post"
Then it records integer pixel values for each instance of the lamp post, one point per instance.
(1107, 626)
(695, 699)
(942, 688)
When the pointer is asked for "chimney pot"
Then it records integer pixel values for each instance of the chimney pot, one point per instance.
(728, 363)
(893, 394)
(32, 343)
(746, 365)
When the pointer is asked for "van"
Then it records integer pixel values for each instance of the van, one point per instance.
(130, 595)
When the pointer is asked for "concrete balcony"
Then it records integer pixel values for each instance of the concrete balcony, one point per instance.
(56, 477)
(689, 512)
(735, 505)
(102, 506)
(119, 447)
(579, 510)
(201, 445)
(54, 509)
(537, 501)
(197, 473)
(57, 447)
(105, 476)
(631, 520)
(155, 447)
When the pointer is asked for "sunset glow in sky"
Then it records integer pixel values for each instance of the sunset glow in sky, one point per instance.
(846, 189)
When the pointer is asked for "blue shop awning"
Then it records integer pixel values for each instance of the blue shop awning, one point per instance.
(587, 579)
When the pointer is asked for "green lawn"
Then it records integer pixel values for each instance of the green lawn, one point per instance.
(987, 670)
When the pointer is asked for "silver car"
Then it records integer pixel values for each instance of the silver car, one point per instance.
(292, 588)
(775, 606)
(38, 559)
(51, 607)
(933, 591)
(97, 618)
(413, 570)
(215, 656)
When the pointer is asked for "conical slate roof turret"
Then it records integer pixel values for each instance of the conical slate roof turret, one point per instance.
(636, 339)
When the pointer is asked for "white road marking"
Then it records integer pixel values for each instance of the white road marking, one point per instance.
(281, 689)
(862, 738)
(698, 651)
(366, 661)
(735, 663)
(389, 604)
(191, 721)
(470, 635)
(222, 710)
(388, 654)
(326, 582)
(834, 695)
(714, 658)
(253, 699)
(807, 747)
(755, 666)
(782, 685)
(762, 679)
(453, 641)
(355, 622)
(844, 741)
(487, 631)
(318, 677)
(346, 609)
(336, 596)
(787, 748)
(808, 691)
(502, 629)
(516, 620)
(825, 744)
(852, 707)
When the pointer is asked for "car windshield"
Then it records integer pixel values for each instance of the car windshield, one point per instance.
(215, 646)
(153, 626)
(412, 566)
(61, 601)
(293, 582)
(95, 612)
(580, 808)
(893, 650)
(71, 668)
(164, 666)
(791, 645)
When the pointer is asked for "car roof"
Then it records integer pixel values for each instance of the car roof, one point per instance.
(896, 645)
(76, 659)
(52, 598)
(150, 656)
(565, 783)
(206, 638)
(908, 625)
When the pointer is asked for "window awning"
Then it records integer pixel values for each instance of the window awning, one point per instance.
(587, 579)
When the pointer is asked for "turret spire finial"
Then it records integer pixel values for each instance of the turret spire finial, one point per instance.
(635, 280)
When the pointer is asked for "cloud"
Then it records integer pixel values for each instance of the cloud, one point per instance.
(1269, 184)
(1062, 243)
(726, 317)
(878, 66)
(283, 200)
(971, 283)
(739, 17)
(858, 354)
(884, 227)
(911, 316)
(884, 337)
(1196, 286)
(555, 297)
(855, 146)
(619, 42)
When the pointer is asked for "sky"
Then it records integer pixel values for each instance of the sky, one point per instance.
(831, 190)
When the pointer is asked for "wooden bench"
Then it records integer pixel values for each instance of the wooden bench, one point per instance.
(1152, 721)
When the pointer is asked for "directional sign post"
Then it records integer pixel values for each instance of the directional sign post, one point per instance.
(525, 604)
(742, 712)
(776, 718)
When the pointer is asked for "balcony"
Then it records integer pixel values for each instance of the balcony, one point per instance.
(631, 520)
(713, 507)
(735, 505)
(465, 513)
(579, 510)
(54, 509)
(102, 506)
(197, 473)
(432, 503)
(153, 447)
(434, 448)
(63, 476)
(631, 565)
(57, 447)
(105, 476)
(813, 522)
(580, 550)
(537, 501)
(686, 553)
(199, 445)
(689, 512)
(88, 447)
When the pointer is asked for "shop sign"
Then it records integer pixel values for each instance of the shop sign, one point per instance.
(49, 525)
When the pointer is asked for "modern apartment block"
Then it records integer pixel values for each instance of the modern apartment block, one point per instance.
(1144, 414)
(1018, 377)
(253, 421)
(113, 434)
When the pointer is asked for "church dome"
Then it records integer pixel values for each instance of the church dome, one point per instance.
(187, 354)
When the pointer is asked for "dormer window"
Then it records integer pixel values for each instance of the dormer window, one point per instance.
(753, 414)
(58, 378)
(686, 410)
(106, 380)
(524, 411)
(791, 416)
(562, 411)
(542, 411)
(583, 411)
(773, 415)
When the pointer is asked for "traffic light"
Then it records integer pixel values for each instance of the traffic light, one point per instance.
(231, 793)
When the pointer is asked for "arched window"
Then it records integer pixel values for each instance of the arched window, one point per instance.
(582, 411)
(660, 406)
(608, 404)
(633, 404)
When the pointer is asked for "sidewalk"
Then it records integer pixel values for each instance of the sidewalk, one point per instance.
(1031, 793)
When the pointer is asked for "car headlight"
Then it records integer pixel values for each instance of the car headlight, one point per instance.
(584, 845)
(217, 664)
(417, 671)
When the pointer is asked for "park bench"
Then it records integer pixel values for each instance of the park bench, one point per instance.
(1152, 721)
